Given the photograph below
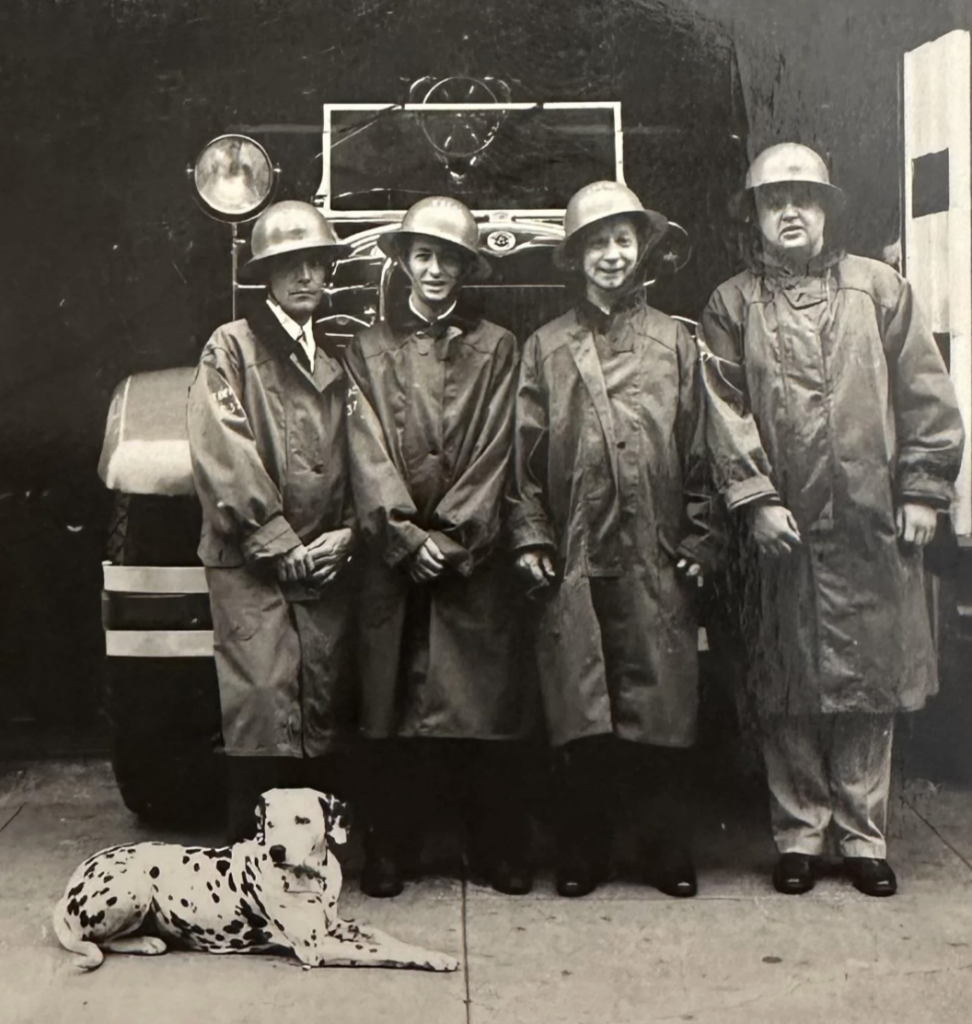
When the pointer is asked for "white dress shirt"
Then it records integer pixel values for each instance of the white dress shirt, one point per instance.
(303, 335)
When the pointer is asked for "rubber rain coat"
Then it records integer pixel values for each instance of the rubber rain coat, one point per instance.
(430, 420)
(610, 475)
(827, 393)
(267, 438)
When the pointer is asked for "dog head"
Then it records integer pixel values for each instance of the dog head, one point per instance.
(298, 827)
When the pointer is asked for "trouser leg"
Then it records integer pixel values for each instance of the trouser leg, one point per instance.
(655, 791)
(583, 815)
(795, 749)
(390, 796)
(498, 818)
(860, 781)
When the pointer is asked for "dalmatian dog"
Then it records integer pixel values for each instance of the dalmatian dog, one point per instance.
(275, 893)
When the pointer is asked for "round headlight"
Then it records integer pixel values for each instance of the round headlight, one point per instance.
(234, 177)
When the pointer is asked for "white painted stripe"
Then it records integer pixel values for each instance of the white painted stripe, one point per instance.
(142, 579)
(159, 643)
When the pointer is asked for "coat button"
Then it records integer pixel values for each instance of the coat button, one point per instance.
(621, 444)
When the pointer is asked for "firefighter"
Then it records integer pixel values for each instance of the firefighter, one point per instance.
(430, 419)
(609, 523)
(835, 439)
(267, 438)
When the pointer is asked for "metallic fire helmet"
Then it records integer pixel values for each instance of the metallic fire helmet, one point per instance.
(789, 161)
(290, 227)
(603, 199)
(445, 219)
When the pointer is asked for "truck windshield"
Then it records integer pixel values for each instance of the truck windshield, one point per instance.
(385, 158)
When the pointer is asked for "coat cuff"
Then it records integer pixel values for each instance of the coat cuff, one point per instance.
(925, 489)
(407, 538)
(456, 555)
(745, 492)
(531, 533)
(276, 537)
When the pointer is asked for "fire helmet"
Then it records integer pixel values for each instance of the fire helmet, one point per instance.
(790, 162)
(601, 200)
(442, 218)
(287, 227)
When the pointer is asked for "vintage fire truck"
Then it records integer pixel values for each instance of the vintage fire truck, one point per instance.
(515, 164)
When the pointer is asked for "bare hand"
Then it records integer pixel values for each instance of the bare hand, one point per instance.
(775, 530)
(690, 569)
(537, 565)
(296, 564)
(916, 523)
(427, 563)
(331, 548)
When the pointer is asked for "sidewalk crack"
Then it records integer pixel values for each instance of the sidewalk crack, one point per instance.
(921, 817)
(12, 816)
(465, 949)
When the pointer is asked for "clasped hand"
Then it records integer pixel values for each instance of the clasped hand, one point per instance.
(317, 562)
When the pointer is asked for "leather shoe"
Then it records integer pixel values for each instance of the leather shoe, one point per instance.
(871, 876)
(673, 873)
(577, 876)
(381, 877)
(510, 877)
(794, 874)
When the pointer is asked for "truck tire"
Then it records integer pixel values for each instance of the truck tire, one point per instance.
(163, 712)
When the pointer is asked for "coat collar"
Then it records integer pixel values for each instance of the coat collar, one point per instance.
(269, 330)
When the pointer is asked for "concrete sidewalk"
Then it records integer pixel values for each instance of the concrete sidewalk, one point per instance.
(738, 953)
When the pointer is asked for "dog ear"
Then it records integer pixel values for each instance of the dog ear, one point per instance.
(335, 812)
(260, 813)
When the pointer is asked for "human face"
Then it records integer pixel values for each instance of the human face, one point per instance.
(609, 258)
(435, 269)
(792, 219)
(296, 281)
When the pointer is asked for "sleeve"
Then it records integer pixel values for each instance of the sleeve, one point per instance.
(384, 508)
(468, 518)
(740, 467)
(231, 479)
(930, 435)
(704, 539)
(529, 522)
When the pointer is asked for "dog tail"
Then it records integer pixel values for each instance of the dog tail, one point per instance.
(93, 956)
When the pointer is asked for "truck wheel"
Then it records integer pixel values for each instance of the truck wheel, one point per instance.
(163, 712)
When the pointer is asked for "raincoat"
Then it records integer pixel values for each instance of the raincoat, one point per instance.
(610, 475)
(430, 418)
(267, 438)
(827, 393)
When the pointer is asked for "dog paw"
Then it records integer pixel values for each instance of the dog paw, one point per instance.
(441, 962)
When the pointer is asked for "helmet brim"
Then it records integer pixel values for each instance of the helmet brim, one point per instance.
(834, 198)
(393, 243)
(255, 269)
(655, 222)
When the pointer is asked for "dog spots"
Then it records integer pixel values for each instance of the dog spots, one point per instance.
(185, 859)
(76, 889)
(237, 944)
(184, 902)
(234, 927)
(209, 886)
(298, 820)
(222, 866)
(221, 852)
(230, 883)
(195, 866)
(111, 901)
(154, 872)
(278, 925)
(215, 898)
(107, 879)
(358, 946)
